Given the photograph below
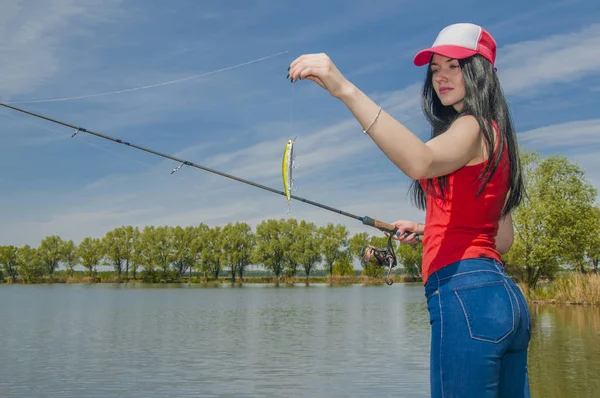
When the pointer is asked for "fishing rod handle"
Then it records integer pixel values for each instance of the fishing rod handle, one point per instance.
(385, 227)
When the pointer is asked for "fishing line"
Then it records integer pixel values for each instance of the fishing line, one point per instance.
(149, 86)
(366, 220)
(65, 136)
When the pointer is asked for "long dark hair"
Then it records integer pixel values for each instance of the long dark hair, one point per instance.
(484, 99)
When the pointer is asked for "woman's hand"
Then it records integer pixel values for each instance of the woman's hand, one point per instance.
(320, 69)
(410, 227)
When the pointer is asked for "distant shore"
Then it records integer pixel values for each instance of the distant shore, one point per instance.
(111, 278)
(572, 288)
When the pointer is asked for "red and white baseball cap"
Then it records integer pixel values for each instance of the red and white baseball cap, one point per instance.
(460, 41)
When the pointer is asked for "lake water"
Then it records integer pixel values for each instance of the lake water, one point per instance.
(254, 341)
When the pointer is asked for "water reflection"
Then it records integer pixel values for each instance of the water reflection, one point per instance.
(254, 341)
(564, 359)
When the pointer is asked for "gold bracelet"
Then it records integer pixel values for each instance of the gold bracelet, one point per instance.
(373, 122)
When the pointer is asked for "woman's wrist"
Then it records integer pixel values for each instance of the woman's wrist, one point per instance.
(348, 93)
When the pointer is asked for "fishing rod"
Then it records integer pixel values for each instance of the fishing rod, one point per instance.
(368, 252)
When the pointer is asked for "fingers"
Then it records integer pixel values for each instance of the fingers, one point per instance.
(307, 58)
(407, 238)
(411, 239)
(404, 234)
(305, 70)
(308, 66)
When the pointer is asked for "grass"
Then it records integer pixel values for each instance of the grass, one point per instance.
(573, 288)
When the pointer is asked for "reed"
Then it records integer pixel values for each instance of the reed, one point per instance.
(573, 288)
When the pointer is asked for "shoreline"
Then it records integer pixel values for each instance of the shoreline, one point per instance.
(571, 290)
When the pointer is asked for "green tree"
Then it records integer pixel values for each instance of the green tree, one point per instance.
(162, 250)
(198, 243)
(90, 252)
(306, 247)
(289, 240)
(594, 250)
(411, 257)
(270, 249)
(334, 242)
(238, 243)
(156, 252)
(143, 252)
(68, 252)
(183, 254)
(138, 251)
(115, 245)
(31, 267)
(212, 253)
(49, 253)
(356, 244)
(342, 266)
(548, 223)
(9, 261)
(132, 235)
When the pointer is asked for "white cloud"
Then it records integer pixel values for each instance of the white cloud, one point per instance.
(559, 58)
(32, 33)
(578, 140)
(579, 134)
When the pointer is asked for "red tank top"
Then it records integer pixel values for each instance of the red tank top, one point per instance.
(464, 225)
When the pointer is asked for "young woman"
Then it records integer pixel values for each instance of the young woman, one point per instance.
(467, 178)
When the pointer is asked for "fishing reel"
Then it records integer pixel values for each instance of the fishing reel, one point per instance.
(381, 257)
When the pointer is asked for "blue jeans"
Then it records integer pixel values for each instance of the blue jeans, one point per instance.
(480, 331)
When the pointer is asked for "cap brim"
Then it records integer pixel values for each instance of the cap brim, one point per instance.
(424, 56)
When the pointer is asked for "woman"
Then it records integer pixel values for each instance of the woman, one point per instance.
(467, 178)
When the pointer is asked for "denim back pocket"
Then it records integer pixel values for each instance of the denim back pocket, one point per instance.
(488, 310)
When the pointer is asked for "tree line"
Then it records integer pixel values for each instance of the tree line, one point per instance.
(286, 247)
(557, 227)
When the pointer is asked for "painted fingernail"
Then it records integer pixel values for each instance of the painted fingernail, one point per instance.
(288, 76)
(288, 68)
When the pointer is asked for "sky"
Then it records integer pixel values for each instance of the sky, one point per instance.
(205, 81)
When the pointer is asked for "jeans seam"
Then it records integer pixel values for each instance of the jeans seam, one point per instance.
(523, 301)
(498, 267)
(516, 302)
(439, 296)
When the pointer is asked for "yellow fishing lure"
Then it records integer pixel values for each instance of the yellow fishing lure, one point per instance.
(287, 165)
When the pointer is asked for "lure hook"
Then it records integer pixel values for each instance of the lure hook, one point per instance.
(177, 168)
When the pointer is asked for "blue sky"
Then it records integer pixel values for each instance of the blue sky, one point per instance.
(238, 120)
